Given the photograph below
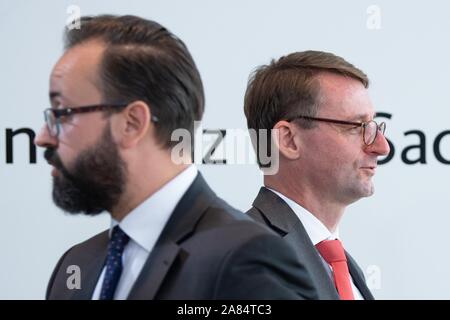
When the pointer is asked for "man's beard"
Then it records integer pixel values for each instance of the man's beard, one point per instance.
(95, 181)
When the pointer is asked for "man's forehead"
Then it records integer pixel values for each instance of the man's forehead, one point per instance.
(333, 83)
(78, 66)
(82, 57)
(344, 96)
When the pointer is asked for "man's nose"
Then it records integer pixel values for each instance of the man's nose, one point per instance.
(44, 140)
(380, 146)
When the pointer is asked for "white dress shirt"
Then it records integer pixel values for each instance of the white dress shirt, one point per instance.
(316, 231)
(144, 225)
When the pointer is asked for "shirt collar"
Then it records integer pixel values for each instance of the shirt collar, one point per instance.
(315, 229)
(145, 223)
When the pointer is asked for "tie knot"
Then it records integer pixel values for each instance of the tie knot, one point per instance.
(331, 251)
(118, 241)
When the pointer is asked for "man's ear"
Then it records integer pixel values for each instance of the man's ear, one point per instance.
(287, 140)
(132, 124)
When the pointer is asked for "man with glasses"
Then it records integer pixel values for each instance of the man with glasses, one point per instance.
(328, 145)
(120, 89)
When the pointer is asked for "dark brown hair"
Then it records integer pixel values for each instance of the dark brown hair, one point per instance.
(286, 87)
(144, 61)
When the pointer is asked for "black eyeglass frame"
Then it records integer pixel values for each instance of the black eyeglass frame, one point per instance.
(380, 127)
(65, 112)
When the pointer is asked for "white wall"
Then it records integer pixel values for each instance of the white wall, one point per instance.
(401, 229)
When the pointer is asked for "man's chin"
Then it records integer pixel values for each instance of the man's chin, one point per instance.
(364, 191)
(366, 187)
(368, 190)
(73, 211)
(76, 210)
(70, 206)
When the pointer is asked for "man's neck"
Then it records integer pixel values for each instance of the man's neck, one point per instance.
(327, 211)
(142, 186)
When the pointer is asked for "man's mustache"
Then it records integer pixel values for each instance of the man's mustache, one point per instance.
(53, 159)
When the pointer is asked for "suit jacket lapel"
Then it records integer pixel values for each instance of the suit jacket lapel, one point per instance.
(154, 271)
(180, 226)
(307, 253)
(358, 278)
(91, 268)
(281, 218)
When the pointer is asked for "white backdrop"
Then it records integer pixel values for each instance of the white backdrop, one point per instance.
(398, 236)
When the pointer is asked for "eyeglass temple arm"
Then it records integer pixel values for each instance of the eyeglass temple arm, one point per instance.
(361, 124)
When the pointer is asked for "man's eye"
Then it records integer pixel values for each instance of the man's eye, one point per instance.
(354, 129)
(64, 118)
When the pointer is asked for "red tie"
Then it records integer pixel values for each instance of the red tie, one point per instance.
(333, 253)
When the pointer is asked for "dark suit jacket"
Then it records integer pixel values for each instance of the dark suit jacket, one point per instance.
(207, 250)
(274, 212)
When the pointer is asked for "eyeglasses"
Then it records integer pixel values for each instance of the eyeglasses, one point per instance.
(369, 129)
(53, 116)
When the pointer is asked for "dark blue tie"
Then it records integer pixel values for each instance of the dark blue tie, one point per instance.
(113, 264)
